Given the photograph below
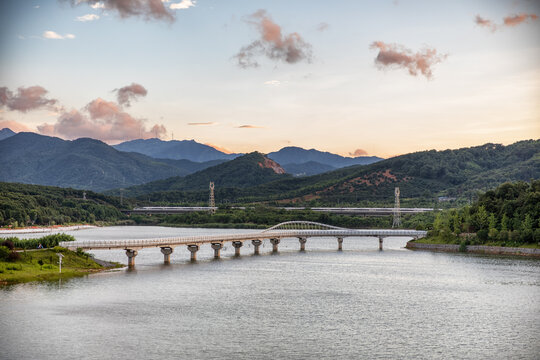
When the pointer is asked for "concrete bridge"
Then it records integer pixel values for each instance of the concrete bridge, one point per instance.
(291, 229)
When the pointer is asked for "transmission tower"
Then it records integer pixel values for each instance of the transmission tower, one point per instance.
(211, 200)
(397, 211)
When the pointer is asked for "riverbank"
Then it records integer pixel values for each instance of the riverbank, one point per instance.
(475, 249)
(42, 265)
(49, 229)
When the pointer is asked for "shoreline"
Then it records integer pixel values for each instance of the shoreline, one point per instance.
(475, 249)
(39, 230)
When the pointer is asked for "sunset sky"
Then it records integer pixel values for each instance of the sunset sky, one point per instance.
(351, 77)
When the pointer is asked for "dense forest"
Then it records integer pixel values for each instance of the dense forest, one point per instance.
(25, 205)
(508, 215)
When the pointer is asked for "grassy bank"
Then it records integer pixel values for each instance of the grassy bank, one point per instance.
(42, 265)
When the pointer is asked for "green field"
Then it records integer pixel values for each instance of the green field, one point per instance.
(28, 267)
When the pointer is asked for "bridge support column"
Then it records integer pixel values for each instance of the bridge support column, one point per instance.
(340, 244)
(131, 257)
(237, 245)
(193, 249)
(302, 241)
(217, 249)
(256, 245)
(275, 243)
(380, 243)
(167, 251)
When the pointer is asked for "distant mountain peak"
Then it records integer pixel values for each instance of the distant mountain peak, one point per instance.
(6, 132)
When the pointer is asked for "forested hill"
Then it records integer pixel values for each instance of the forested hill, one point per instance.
(23, 205)
(420, 176)
(247, 170)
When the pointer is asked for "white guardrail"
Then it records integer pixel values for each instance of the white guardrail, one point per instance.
(186, 240)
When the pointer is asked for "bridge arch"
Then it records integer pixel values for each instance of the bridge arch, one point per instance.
(302, 225)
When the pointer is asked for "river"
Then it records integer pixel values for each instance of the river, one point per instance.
(320, 304)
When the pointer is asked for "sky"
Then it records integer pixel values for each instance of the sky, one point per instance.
(351, 77)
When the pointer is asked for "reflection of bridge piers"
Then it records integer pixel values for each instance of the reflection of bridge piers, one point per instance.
(302, 230)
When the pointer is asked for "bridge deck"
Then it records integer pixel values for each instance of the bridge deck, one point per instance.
(272, 234)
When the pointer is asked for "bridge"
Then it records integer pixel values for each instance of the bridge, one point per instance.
(334, 210)
(290, 229)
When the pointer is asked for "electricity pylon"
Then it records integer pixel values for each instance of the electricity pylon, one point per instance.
(397, 211)
(211, 200)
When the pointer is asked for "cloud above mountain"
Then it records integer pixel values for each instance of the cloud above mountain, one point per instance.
(26, 99)
(129, 93)
(273, 44)
(395, 56)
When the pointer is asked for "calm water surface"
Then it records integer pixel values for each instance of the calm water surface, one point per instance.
(321, 304)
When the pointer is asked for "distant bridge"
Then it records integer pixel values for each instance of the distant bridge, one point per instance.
(333, 210)
(299, 229)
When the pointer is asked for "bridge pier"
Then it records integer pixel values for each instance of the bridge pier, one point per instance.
(217, 249)
(193, 249)
(167, 251)
(380, 243)
(256, 245)
(131, 257)
(237, 245)
(340, 244)
(275, 242)
(302, 241)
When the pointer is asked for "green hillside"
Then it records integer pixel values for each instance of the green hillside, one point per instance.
(23, 205)
(421, 176)
(245, 171)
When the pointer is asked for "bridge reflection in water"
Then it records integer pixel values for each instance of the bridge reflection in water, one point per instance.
(299, 229)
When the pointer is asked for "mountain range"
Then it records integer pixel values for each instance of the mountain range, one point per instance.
(295, 160)
(5, 133)
(421, 176)
(82, 164)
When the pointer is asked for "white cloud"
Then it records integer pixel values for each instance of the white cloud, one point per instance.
(98, 5)
(184, 4)
(36, 7)
(55, 36)
(87, 17)
(272, 83)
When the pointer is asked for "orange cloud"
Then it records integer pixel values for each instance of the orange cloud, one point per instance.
(219, 148)
(480, 21)
(397, 56)
(130, 92)
(358, 152)
(290, 48)
(26, 99)
(202, 123)
(514, 20)
(249, 127)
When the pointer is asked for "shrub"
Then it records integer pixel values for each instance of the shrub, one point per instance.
(482, 235)
(8, 243)
(463, 246)
(13, 256)
(4, 252)
(503, 235)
